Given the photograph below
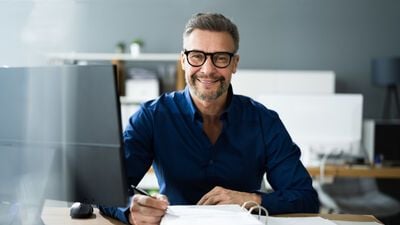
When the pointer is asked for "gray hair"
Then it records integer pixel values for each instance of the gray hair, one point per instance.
(212, 22)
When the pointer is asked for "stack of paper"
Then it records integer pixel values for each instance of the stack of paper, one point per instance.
(299, 221)
(234, 215)
(209, 215)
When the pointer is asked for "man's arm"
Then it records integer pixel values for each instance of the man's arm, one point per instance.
(138, 157)
(116, 213)
(292, 185)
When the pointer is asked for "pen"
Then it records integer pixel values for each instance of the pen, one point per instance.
(143, 192)
(140, 191)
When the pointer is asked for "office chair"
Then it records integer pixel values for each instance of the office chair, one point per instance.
(354, 195)
(360, 196)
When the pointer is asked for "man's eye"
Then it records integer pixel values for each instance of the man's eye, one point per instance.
(221, 58)
(197, 56)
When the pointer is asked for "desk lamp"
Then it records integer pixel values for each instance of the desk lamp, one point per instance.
(386, 72)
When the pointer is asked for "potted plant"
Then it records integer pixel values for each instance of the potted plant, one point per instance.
(136, 44)
(120, 47)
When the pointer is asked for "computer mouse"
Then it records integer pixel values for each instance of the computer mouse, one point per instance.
(81, 210)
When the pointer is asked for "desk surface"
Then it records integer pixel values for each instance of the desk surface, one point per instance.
(357, 171)
(60, 215)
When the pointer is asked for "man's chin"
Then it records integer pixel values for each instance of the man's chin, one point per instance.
(206, 95)
(207, 92)
(208, 86)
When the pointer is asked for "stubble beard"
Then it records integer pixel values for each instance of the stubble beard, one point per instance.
(207, 95)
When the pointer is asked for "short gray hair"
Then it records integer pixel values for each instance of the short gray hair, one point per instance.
(212, 22)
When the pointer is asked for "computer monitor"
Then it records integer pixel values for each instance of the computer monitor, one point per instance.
(60, 138)
(321, 124)
(254, 83)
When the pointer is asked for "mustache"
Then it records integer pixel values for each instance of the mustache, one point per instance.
(210, 76)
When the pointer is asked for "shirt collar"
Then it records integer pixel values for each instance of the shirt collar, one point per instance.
(195, 114)
(191, 107)
(229, 110)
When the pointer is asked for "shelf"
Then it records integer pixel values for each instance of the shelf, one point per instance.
(357, 171)
(142, 57)
(119, 60)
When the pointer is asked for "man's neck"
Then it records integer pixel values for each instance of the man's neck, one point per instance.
(211, 110)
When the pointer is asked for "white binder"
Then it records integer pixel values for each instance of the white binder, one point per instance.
(214, 215)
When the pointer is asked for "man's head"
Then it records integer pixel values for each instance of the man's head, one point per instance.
(210, 43)
(212, 22)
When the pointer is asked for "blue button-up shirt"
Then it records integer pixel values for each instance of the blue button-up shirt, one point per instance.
(168, 134)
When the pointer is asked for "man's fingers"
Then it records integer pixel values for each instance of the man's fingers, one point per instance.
(147, 210)
(162, 198)
(211, 196)
(219, 195)
(150, 202)
(213, 200)
(143, 219)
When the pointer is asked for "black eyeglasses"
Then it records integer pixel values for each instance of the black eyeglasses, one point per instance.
(219, 59)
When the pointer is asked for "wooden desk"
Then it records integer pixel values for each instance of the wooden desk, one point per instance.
(60, 216)
(357, 171)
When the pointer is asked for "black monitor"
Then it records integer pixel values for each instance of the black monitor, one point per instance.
(60, 138)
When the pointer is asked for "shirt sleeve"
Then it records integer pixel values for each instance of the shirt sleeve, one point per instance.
(138, 145)
(120, 214)
(291, 182)
(138, 157)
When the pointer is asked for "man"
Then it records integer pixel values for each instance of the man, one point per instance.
(207, 145)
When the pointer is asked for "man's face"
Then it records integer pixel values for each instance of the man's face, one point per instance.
(208, 82)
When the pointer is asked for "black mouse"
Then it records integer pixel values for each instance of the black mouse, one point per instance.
(81, 210)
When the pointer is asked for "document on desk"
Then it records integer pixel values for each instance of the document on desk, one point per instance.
(299, 221)
(209, 215)
(230, 215)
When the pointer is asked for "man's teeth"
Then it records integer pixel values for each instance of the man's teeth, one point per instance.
(208, 81)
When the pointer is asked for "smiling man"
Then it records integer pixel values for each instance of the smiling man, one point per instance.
(208, 145)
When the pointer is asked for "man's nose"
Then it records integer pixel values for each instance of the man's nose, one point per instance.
(208, 65)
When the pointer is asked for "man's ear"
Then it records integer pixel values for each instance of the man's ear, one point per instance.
(235, 63)
(182, 59)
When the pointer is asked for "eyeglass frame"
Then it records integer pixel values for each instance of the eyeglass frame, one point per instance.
(211, 54)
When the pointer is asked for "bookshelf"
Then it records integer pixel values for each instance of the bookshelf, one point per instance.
(120, 60)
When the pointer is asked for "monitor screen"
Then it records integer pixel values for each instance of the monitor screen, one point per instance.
(60, 136)
(255, 83)
(321, 124)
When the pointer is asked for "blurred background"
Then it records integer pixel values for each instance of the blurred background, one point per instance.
(338, 35)
(342, 36)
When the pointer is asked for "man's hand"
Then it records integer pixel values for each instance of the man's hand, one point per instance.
(220, 195)
(147, 210)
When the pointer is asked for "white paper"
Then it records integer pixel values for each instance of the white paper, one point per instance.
(209, 215)
(299, 221)
(235, 215)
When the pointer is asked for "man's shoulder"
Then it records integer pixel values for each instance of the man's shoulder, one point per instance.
(251, 106)
(164, 100)
(252, 111)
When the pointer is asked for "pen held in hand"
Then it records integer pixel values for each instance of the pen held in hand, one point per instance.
(143, 192)
(140, 191)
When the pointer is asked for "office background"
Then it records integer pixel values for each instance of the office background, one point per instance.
(338, 35)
